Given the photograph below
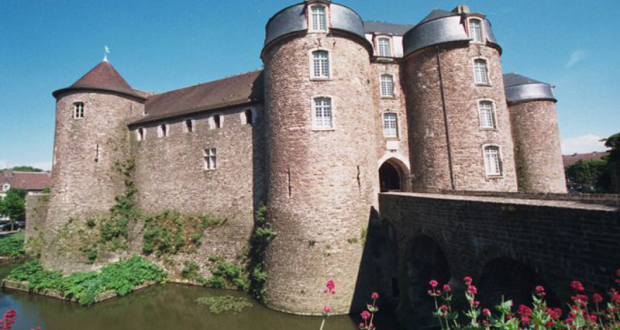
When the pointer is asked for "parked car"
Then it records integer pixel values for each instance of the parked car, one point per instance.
(14, 226)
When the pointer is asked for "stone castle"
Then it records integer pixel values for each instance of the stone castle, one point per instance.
(343, 109)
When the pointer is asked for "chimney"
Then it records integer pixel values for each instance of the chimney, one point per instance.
(461, 10)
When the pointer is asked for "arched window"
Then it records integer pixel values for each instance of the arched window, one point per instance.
(141, 134)
(320, 64)
(387, 85)
(189, 126)
(162, 130)
(384, 47)
(322, 113)
(78, 110)
(492, 160)
(390, 124)
(318, 18)
(481, 72)
(475, 30)
(487, 114)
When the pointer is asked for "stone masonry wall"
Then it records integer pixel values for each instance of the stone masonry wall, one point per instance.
(85, 179)
(537, 147)
(320, 183)
(560, 240)
(427, 134)
(36, 217)
(170, 175)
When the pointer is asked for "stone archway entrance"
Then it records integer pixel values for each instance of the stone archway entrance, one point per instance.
(391, 177)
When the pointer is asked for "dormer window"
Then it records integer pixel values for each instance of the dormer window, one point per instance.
(162, 130)
(78, 110)
(475, 30)
(141, 134)
(320, 64)
(384, 47)
(248, 115)
(318, 18)
(189, 126)
(217, 121)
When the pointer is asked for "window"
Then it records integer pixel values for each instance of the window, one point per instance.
(390, 124)
(475, 30)
(481, 72)
(384, 47)
(162, 130)
(248, 116)
(78, 110)
(141, 134)
(387, 85)
(6, 187)
(189, 126)
(487, 114)
(217, 121)
(318, 18)
(210, 159)
(322, 113)
(320, 64)
(492, 160)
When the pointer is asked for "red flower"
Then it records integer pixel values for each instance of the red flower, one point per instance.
(486, 312)
(597, 298)
(446, 288)
(472, 290)
(365, 315)
(362, 325)
(577, 286)
(330, 287)
(443, 307)
(375, 295)
(467, 280)
(433, 283)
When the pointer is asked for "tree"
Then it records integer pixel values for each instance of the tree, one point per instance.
(613, 143)
(14, 204)
(26, 169)
(591, 173)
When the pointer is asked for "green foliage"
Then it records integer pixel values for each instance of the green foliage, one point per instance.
(12, 245)
(190, 272)
(91, 252)
(26, 169)
(590, 172)
(220, 304)
(227, 275)
(34, 245)
(121, 277)
(352, 240)
(46, 190)
(262, 236)
(14, 204)
(91, 223)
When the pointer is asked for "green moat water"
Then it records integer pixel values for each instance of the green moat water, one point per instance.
(167, 306)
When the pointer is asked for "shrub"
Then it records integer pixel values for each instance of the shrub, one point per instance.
(12, 245)
(225, 274)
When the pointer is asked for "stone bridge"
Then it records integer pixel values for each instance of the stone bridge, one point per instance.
(507, 244)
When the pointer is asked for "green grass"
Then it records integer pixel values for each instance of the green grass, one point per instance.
(12, 245)
(121, 277)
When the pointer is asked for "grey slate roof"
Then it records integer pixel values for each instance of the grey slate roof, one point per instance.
(513, 79)
(437, 13)
(385, 27)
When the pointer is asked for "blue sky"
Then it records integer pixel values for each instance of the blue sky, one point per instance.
(168, 44)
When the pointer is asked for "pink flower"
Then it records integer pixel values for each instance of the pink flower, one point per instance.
(472, 290)
(371, 326)
(597, 298)
(486, 312)
(330, 285)
(365, 315)
(433, 283)
(326, 309)
(540, 289)
(375, 296)
(446, 288)
(362, 325)
(443, 307)
(577, 286)
(467, 280)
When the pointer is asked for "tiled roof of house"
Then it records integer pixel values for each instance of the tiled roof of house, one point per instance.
(572, 159)
(31, 181)
(236, 90)
(102, 77)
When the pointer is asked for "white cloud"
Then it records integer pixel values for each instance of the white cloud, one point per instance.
(582, 144)
(576, 57)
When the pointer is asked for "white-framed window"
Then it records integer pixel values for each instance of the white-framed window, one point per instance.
(475, 30)
(162, 130)
(188, 125)
(318, 18)
(481, 71)
(210, 159)
(390, 124)
(486, 109)
(320, 64)
(492, 160)
(322, 113)
(387, 85)
(141, 134)
(6, 187)
(217, 121)
(384, 46)
(247, 117)
(78, 110)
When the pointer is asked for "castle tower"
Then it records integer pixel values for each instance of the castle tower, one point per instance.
(536, 137)
(90, 139)
(459, 126)
(320, 163)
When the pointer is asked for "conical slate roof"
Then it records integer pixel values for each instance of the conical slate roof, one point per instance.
(437, 13)
(102, 77)
(513, 79)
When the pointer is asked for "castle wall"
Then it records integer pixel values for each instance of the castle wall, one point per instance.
(36, 217)
(170, 175)
(85, 178)
(320, 183)
(427, 133)
(537, 147)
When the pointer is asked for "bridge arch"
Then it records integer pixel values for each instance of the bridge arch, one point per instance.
(513, 280)
(393, 174)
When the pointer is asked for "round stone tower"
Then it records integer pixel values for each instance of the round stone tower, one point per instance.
(459, 126)
(91, 139)
(320, 169)
(536, 137)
